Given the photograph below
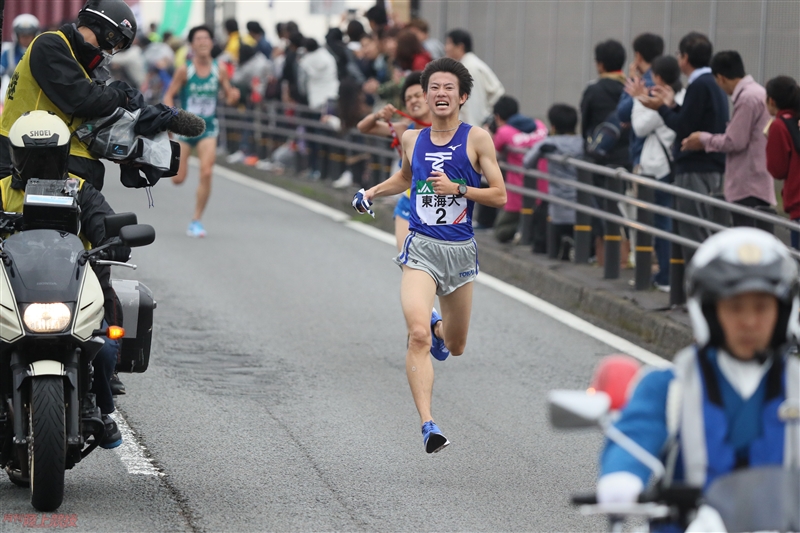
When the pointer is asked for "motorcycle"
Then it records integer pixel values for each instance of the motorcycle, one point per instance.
(753, 499)
(51, 328)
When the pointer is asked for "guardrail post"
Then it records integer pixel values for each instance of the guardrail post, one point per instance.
(612, 240)
(526, 214)
(644, 241)
(583, 222)
(677, 294)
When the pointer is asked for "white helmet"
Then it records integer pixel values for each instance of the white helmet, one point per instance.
(25, 24)
(735, 261)
(39, 146)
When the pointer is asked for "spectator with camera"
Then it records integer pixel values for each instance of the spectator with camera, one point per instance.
(646, 47)
(656, 155)
(704, 108)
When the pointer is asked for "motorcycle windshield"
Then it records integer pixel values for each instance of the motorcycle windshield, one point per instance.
(44, 264)
(758, 499)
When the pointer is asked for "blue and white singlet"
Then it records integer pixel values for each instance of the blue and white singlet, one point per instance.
(447, 218)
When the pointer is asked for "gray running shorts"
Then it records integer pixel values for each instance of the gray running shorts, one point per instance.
(451, 264)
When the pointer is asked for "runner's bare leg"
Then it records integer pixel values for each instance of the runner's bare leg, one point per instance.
(456, 309)
(207, 153)
(417, 294)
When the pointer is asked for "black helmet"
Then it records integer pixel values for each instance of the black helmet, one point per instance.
(39, 146)
(112, 22)
(735, 261)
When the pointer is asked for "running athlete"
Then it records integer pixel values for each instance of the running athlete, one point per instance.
(198, 84)
(380, 123)
(443, 165)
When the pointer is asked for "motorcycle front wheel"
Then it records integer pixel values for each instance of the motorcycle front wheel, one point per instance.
(47, 447)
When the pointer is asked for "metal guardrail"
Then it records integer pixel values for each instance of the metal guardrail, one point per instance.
(282, 121)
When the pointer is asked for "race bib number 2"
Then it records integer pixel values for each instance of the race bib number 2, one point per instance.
(438, 210)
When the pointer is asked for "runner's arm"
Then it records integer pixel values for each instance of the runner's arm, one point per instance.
(378, 123)
(175, 85)
(232, 94)
(495, 194)
(400, 180)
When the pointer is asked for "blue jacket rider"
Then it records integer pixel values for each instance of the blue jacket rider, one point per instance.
(717, 409)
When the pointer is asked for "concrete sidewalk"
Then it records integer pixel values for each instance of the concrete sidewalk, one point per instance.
(643, 317)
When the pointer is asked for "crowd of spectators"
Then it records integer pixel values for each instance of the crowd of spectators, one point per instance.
(694, 118)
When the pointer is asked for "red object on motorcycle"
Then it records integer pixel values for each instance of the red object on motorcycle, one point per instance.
(613, 376)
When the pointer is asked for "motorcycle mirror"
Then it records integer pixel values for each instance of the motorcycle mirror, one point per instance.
(614, 375)
(577, 408)
(116, 222)
(137, 235)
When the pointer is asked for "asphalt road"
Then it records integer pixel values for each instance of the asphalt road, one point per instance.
(276, 398)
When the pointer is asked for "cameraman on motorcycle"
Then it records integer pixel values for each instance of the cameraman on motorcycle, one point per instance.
(717, 409)
(35, 156)
(56, 74)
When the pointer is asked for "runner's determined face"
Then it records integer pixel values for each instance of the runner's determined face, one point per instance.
(202, 43)
(442, 96)
(415, 102)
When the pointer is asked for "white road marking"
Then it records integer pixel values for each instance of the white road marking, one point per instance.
(546, 308)
(132, 454)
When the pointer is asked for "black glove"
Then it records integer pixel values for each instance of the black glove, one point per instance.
(119, 253)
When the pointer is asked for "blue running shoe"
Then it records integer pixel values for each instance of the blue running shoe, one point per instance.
(432, 437)
(196, 230)
(438, 349)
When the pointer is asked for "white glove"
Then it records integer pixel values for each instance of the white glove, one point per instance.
(619, 487)
(361, 204)
(706, 520)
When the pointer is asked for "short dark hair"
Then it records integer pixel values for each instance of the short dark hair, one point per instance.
(728, 64)
(459, 36)
(610, 54)
(311, 45)
(649, 46)
(377, 14)
(201, 27)
(255, 27)
(231, 25)
(355, 31)
(667, 68)
(296, 39)
(563, 118)
(452, 66)
(697, 49)
(506, 107)
(414, 78)
(785, 91)
(292, 27)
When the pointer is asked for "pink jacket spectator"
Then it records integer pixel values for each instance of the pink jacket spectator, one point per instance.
(744, 145)
(508, 136)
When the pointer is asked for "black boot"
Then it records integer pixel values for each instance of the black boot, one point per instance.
(117, 387)
(111, 437)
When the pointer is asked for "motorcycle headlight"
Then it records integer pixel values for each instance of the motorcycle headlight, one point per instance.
(47, 318)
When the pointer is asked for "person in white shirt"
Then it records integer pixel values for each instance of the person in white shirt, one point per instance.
(486, 89)
(656, 159)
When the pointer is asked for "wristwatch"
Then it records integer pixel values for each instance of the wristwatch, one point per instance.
(462, 190)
